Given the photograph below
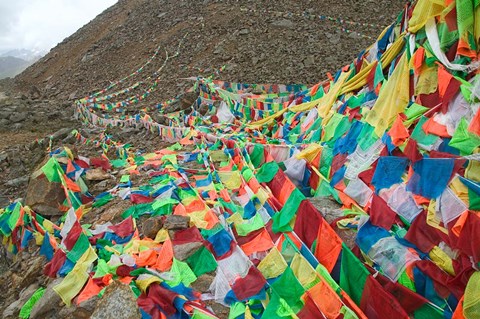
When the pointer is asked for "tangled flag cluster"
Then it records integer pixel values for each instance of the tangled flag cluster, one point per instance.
(394, 137)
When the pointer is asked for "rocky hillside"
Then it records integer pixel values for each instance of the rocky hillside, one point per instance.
(260, 41)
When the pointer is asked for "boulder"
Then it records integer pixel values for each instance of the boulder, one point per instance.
(111, 212)
(176, 222)
(284, 23)
(48, 303)
(118, 302)
(45, 197)
(97, 174)
(82, 311)
(151, 226)
(182, 252)
(14, 308)
(203, 283)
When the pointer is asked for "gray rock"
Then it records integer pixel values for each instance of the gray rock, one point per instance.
(72, 96)
(176, 222)
(18, 117)
(87, 57)
(5, 114)
(151, 226)
(3, 157)
(244, 31)
(16, 182)
(203, 283)
(97, 174)
(284, 23)
(48, 302)
(118, 302)
(309, 60)
(14, 308)
(61, 133)
(334, 39)
(182, 252)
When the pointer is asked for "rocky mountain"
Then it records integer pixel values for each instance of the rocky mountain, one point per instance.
(260, 41)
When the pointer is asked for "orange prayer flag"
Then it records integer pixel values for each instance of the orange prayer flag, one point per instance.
(165, 257)
(329, 246)
(126, 280)
(444, 78)
(433, 127)
(211, 219)
(195, 206)
(325, 299)
(458, 313)
(418, 59)
(180, 210)
(146, 258)
(71, 185)
(398, 132)
(91, 289)
(261, 242)
(70, 167)
(420, 200)
(107, 279)
(474, 126)
(285, 192)
(346, 200)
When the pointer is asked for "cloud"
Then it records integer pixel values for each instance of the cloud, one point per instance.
(41, 24)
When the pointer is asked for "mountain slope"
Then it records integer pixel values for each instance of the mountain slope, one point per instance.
(262, 41)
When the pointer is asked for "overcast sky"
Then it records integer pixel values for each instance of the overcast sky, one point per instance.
(41, 24)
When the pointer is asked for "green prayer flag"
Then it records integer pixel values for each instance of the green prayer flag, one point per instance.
(102, 200)
(281, 220)
(79, 248)
(50, 169)
(288, 287)
(175, 147)
(202, 262)
(197, 314)
(247, 174)
(428, 311)
(28, 306)
(420, 136)
(257, 155)
(237, 310)
(413, 112)
(325, 190)
(137, 210)
(182, 274)
(248, 226)
(14, 216)
(353, 275)
(474, 200)
(267, 172)
(367, 137)
(156, 204)
(331, 126)
(117, 163)
(463, 140)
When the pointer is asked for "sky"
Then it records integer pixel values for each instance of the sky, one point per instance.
(41, 24)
